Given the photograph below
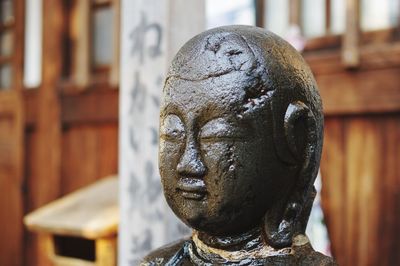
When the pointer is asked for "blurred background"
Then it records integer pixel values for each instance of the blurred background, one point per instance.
(75, 74)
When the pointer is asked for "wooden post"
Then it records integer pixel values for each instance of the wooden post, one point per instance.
(114, 70)
(152, 32)
(46, 185)
(328, 17)
(106, 252)
(260, 12)
(295, 12)
(81, 32)
(350, 42)
(11, 177)
(12, 149)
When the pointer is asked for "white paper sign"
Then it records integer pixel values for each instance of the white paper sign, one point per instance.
(148, 43)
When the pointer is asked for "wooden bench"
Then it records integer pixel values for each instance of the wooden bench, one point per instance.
(82, 227)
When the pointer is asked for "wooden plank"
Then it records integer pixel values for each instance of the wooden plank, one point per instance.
(99, 105)
(328, 16)
(31, 240)
(90, 152)
(373, 57)
(12, 148)
(260, 12)
(365, 165)
(46, 185)
(48, 108)
(101, 3)
(91, 212)
(369, 38)
(19, 38)
(90, 107)
(106, 252)
(80, 34)
(114, 70)
(333, 180)
(107, 151)
(390, 192)
(80, 153)
(11, 178)
(64, 261)
(30, 106)
(7, 25)
(350, 43)
(5, 60)
(295, 12)
(363, 151)
(360, 92)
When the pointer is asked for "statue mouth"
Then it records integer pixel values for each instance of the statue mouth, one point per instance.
(192, 188)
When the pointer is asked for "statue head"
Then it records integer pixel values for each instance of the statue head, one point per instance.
(240, 135)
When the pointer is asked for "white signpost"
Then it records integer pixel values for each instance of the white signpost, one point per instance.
(151, 33)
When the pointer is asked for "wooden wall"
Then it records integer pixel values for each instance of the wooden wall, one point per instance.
(88, 153)
(54, 138)
(11, 179)
(360, 160)
(362, 188)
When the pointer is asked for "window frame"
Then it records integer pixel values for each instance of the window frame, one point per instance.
(17, 25)
(80, 73)
(353, 41)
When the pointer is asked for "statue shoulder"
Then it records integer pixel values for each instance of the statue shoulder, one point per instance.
(317, 258)
(306, 255)
(163, 254)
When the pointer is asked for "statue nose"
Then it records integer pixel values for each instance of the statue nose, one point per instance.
(190, 163)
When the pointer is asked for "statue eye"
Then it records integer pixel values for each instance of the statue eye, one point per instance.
(172, 128)
(219, 129)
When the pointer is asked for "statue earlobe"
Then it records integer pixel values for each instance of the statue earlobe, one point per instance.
(289, 218)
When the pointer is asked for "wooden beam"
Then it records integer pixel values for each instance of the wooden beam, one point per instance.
(5, 60)
(12, 163)
(102, 3)
(295, 12)
(46, 184)
(327, 17)
(350, 42)
(114, 73)
(7, 25)
(30, 107)
(377, 37)
(95, 106)
(11, 178)
(371, 57)
(99, 105)
(19, 39)
(260, 14)
(360, 92)
(81, 36)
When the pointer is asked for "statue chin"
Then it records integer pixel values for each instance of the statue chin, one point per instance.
(241, 131)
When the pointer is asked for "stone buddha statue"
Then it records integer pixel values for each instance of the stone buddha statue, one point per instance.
(241, 129)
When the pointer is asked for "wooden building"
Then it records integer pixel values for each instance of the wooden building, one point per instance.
(61, 134)
(59, 129)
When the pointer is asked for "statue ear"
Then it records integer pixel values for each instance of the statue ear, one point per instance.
(300, 131)
(289, 218)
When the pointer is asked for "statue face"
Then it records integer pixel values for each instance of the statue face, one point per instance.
(217, 162)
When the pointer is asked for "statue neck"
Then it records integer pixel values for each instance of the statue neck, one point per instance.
(220, 250)
(245, 241)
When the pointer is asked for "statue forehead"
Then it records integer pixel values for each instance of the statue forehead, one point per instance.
(213, 55)
(222, 94)
(231, 83)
